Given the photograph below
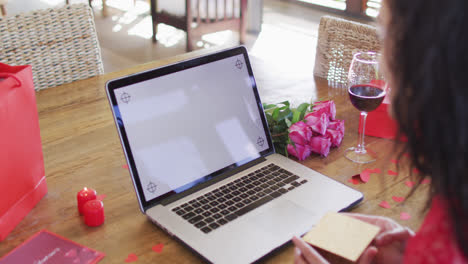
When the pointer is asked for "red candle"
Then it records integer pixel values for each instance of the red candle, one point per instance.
(93, 213)
(83, 196)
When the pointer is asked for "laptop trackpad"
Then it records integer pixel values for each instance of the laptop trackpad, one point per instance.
(285, 218)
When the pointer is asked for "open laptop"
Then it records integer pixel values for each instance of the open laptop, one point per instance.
(203, 164)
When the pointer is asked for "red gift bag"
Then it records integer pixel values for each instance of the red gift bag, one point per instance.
(22, 178)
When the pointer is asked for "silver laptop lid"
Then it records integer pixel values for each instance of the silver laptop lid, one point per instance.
(188, 123)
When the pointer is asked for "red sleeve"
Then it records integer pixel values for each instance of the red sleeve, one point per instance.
(434, 242)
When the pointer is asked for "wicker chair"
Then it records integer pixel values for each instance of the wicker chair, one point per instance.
(60, 44)
(338, 40)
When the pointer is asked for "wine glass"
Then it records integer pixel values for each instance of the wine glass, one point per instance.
(366, 89)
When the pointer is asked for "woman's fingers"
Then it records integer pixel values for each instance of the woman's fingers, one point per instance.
(309, 254)
(298, 258)
(396, 235)
(368, 255)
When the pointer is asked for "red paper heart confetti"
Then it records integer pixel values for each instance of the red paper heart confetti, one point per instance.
(394, 161)
(158, 248)
(365, 175)
(409, 183)
(390, 172)
(398, 199)
(385, 204)
(405, 216)
(71, 253)
(376, 170)
(131, 258)
(101, 197)
(354, 180)
(426, 181)
(125, 166)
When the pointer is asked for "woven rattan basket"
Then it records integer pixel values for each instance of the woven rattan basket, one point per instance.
(60, 44)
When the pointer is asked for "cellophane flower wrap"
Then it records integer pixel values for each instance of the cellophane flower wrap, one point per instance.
(307, 129)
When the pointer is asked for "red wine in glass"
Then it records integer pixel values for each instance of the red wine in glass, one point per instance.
(366, 89)
(366, 97)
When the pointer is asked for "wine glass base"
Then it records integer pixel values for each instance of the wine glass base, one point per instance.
(358, 156)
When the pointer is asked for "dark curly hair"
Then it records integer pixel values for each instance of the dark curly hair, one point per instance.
(426, 50)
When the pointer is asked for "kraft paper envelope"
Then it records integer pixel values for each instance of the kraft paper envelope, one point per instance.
(342, 235)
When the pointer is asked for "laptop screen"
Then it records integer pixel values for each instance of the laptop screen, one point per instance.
(190, 122)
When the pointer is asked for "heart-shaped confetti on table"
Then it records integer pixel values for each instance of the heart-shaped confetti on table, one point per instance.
(398, 199)
(404, 216)
(409, 183)
(132, 257)
(354, 180)
(365, 175)
(394, 173)
(394, 161)
(71, 253)
(376, 170)
(385, 204)
(426, 181)
(125, 166)
(101, 197)
(158, 248)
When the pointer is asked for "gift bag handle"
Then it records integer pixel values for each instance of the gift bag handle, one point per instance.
(6, 75)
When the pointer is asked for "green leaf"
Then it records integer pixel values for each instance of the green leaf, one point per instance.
(275, 114)
(268, 106)
(284, 114)
(296, 116)
(288, 122)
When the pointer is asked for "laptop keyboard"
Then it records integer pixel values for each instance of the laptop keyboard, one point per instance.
(226, 203)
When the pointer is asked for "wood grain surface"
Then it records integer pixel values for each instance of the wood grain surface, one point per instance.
(81, 148)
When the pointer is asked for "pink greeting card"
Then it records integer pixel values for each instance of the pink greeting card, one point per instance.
(46, 248)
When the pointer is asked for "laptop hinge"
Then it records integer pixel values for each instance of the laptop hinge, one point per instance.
(218, 178)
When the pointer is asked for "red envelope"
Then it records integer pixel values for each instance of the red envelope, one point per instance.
(22, 176)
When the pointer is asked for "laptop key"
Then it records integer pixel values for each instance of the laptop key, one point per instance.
(198, 211)
(267, 191)
(196, 204)
(275, 194)
(236, 199)
(214, 225)
(303, 181)
(253, 205)
(282, 190)
(235, 193)
(180, 212)
(280, 184)
(209, 220)
(232, 208)
(295, 184)
(206, 207)
(188, 216)
(206, 229)
(176, 209)
(221, 200)
(290, 179)
(214, 203)
(240, 204)
(274, 187)
(222, 206)
(228, 196)
(252, 192)
(243, 195)
(211, 198)
(206, 214)
(253, 197)
(219, 194)
(230, 217)
(195, 219)
(188, 208)
(246, 201)
(200, 224)
(217, 216)
(222, 221)
(184, 205)
(225, 212)
(214, 210)
(229, 202)
(204, 201)
(290, 188)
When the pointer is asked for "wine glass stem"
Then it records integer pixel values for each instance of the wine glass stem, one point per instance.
(360, 147)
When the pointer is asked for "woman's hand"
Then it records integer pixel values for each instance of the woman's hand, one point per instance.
(388, 246)
(305, 254)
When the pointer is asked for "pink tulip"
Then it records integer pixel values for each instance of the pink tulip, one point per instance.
(335, 137)
(327, 107)
(300, 133)
(320, 145)
(299, 151)
(337, 125)
(318, 123)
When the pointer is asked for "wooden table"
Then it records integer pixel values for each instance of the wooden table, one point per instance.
(81, 148)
